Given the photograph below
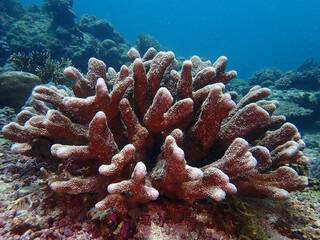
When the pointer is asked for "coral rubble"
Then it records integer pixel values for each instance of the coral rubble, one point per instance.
(132, 138)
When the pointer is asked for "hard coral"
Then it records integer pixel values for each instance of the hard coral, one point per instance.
(148, 140)
(42, 65)
(62, 14)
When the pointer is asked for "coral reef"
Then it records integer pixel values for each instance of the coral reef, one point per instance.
(299, 106)
(125, 136)
(52, 28)
(306, 77)
(62, 15)
(12, 8)
(313, 144)
(40, 64)
(100, 29)
(265, 77)
(145, 41)
(315, 169)
(298, 91)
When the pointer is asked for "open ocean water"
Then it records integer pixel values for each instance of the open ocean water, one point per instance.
(252, 34)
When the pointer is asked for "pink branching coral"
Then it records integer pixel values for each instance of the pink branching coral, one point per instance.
(150, 130)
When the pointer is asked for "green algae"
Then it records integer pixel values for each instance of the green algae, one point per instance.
(239, 218)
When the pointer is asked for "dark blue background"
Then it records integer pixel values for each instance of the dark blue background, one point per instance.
(253, 34)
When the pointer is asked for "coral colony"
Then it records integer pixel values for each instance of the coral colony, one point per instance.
(150, 130)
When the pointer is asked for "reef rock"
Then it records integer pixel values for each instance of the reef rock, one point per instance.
(265, 77)
(298, 91)
(131, 138)
(52, 29)
(15, 88)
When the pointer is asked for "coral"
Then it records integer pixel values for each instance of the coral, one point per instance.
(42, 65)
(12, 8)
(285, 81)
(308, 64)
(138, 139)
(144, 42)
(294, 112)
(313, 143)
(306, 77)
(300, 107)
(62, 14)
(307, 80)
(52, 28)
(315, 170)
(100, 29)
(265, 77)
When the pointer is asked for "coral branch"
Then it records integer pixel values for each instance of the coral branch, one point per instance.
(84, 87)
(138, 135)
(156, 120)
(243, 123)
(221, 75)
(140, 85)
(275, 184)
(172, 167)
(80, 185)
(135, 188)
(214, 109)
(83, 109)
(287, 132)
(118, 161)
(214, 184)
(184, 85)
(203, 133)
(203, 77)
(158, 67)
(102, 145)
(236, 160)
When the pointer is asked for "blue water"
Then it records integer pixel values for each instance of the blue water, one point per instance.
(253, 34)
